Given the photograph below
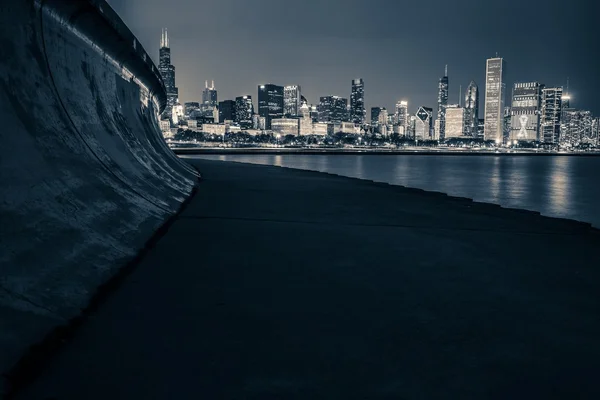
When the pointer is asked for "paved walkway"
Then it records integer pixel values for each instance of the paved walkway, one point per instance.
(285, 284)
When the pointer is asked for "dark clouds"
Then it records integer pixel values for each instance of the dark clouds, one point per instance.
(399, 47)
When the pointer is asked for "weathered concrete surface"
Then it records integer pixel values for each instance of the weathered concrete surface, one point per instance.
(287, 284)
(85, 175)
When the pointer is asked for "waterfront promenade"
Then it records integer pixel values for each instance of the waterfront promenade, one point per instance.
(285, 284)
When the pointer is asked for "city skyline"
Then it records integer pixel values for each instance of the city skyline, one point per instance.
(323, 59)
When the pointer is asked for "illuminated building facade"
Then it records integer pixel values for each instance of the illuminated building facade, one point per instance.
(442, 104)
(577, 127)
(270, 102)
(423, 123)
(471, 109)
(291, 101)
(167, 72)
(402, 116)
(243, 112)
(358, 112)
(551, 114)
(526, 111)
(455, 121)
(495, 91)
(332, 109)
(285, 126)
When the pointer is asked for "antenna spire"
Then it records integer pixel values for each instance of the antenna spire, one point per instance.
(166, 38)
(459, 96)
(567, 85)
(446, 70)
(213, 84)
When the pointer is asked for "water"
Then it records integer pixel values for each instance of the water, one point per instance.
(567, 187)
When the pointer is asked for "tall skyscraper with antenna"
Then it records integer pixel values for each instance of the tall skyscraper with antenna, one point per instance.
(167, 72)
(442, 104)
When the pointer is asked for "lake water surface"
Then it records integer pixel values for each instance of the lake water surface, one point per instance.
(560, 186)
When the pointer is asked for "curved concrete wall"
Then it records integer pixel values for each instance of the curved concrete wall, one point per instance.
(85, 175)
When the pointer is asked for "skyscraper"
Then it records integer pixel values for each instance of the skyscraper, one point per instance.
(495, 90)
(423, 123)
(358, 113)
(226, 111)
(209, 99)
(525, 111)
(442, 103)
(402, 116)
(471, 109)
(167, 72)
(455, 121)
(291, 101)
(577, 127)
(551, 114)
(596, 130)
(375, 111)
(244, 109)
(209, 95)
(332, 109)
(270, 102)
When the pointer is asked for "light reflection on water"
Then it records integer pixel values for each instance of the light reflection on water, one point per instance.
(558, 186)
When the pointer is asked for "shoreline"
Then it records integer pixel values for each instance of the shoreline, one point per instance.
(291, 151)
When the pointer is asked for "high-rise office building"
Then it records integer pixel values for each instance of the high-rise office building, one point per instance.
(442, 104)
(455, 121)
(596, 130)
(167, 72)
(577, 127)
(402, 116)
(226, 111)
(495, 91)
(526, 111)
(209, 99)
(383, 117)
(375, 111)
(270, 102)
(551, 114)
(209, 95)
(358, 112)
(423, 123)
(292, 101)
(332, 109)
(471, 109)
(244, 110)
(189, 108)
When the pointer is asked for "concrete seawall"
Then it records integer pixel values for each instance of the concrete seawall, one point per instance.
(86, 177)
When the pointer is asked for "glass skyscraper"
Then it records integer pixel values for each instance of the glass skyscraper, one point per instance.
(471, 109)
(167, 72)
(332, 109)
(443, 104)
(495, 92)
(227, 111)
(358, 112)
(244, 110)
(270, 102)
(291, 101)
(423, 123)
(551, 114)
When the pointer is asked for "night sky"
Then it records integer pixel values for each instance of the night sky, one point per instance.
(398, 47)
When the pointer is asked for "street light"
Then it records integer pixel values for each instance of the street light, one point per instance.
(278, 136)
